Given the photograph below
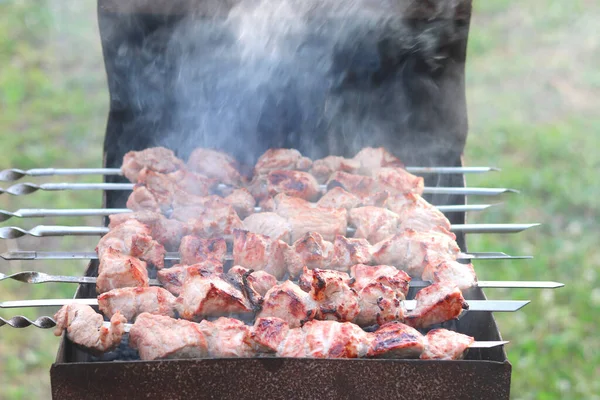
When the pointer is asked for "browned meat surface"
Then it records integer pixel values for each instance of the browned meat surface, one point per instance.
(157, 159)
(215, 222)
(372, 159)
(436, 303)
(323, 168)
(215, 164)
(442, 344)
(303, 217)
(462, 275)
(331, 339)
(118, 270)
(392, 180)
(193, 183)
(290, 303)
(158, 337)
(166, 231)
(259, 281)
(259, 252)
(364, 275)
(293, 183)
(269, 224)
(331, 290)
(194, 249)
(268, 334)
(411, 251)
(373, 223)
(339, 198)
(133, 301)
(242, 202)
(161, 186)
(416, 213)
(133, 238)
(359, 185)
(142, 199)
(172, 278)
(311, 251)
(209, 295)
(227, 337)
(84, 327)
(396, 340)
(349, 252)
(281, 159)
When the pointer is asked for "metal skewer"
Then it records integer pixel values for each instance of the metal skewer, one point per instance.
(35, 277)
(15, 174)
(21, 189)
(90, 255)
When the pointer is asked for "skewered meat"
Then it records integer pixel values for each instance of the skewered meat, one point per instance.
(281, 159)
(242, 202)
(259, 281)
(133, 238)
(215, 222)
(293, 183)
(442, 344)
(194, 249)
(166, 231)
(373, 223)
(349, 252)
(142, 199)
(290, 303)
(227, 337)
(259, 252)
(215, 164)
(159, 337)
(411, 251)
(190, 182)
(157, 159)
(364, 275)
(392, 180)
(396, 340)
(118, 270)
(329, 339)
(331, 290)
(269, 224)
(209, 295)
(132, 301)
(311, 251)
(416, 213)
(172, 278)
(462, 275)
(439, 302)
(84, 327)
(372, 159)
(323, 168)
(339, 198)
(303, 218)
(361, 186)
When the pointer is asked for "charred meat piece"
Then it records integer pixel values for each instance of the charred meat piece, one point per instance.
(331, 290)
(84, 327)
(372, 159)
(396, 279)
(281, 159)
(133, 301)
(158, 337)
(349, 252)
(227, 337)
(210, 295)
(269, 224)
(303, 218)
(268, 334)
(259, 252)
(157, 159)
(442, 344)
(293, 183)
(323, 168)
(373, 223)
(172, 278)
(396, 340)
(436, 303)
(133, 238)
(194, 249)
(215, 164)
(311, 251)
(290, 303)
(462, 275)
(339, 198)
(259, 281)
(331, 339)
(118, 270)
(242, 202)
(166, 231)
(358, 185)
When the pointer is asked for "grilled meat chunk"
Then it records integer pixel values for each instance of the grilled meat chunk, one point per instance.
(358, 185)
(339, 198)
(133, 301)
(442, 344)
(293, 183)
(392, 180)
(118, 270)
(166, 231)
(227, 337)
(268, 334)
(462, 275)
(216, 222)
(416, 213)
(372, 159)
(290, 303)
(349, 252)
(311, 251)
(259, 281)
(303, 218)
(158, 337)
(373, 223)
(158, 159)
(209, 295)
(396, 340)
(281, 159)
(259, 252)
(133, 238)
(215, 164)
(331, 290)
(269, 224)
(142, 199)
(436, 303)
(172, 278)
(364, 275)
(242, 202)
(323, 168)
(194, 249)
(84, 327)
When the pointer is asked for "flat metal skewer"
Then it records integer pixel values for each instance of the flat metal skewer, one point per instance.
(21, 189)
(474, 305)
(174, 256)
(34, 277)
(15, 174)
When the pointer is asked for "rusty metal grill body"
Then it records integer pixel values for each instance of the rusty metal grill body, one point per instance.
(133, 125)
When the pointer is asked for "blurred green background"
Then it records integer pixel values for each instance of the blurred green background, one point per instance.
(533, 80)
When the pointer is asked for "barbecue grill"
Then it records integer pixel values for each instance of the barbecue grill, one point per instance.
(415, 105)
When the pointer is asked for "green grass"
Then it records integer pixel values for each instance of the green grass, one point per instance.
(532, 85)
